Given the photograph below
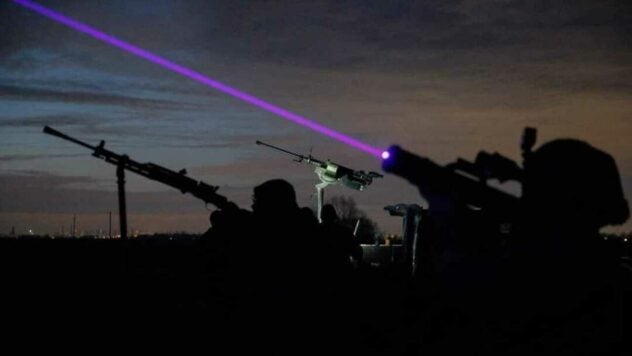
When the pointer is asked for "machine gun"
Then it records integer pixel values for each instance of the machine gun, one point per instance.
(464, 181)
(331, 173)
(178, 180)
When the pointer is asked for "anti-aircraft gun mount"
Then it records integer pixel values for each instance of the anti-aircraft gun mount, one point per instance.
(177, 180)
(331, 173)
(411, 214)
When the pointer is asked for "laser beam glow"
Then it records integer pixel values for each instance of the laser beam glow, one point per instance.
(198, 77)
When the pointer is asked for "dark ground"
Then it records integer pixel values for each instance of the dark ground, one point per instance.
(166, 285)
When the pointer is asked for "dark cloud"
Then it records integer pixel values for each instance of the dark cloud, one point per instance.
(15, 35)
(275, 164)
(335, 33)
(41, 121)
(493, 40)
(86, 97)
(40, 192)
(28, 157)
(364, 32)
(37, 180)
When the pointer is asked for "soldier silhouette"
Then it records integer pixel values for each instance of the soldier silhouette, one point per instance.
(271, 277)
(556, 287)
(563, 280)
(340, 241)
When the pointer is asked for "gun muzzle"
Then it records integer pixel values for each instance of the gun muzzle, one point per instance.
(396, 160)
(51, 131)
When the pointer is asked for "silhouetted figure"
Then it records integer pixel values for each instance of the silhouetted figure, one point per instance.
(285, 235)
(564, 284)
(556, 288)
(229, 262)
(341, 243)
(559, 287)
(272, 275)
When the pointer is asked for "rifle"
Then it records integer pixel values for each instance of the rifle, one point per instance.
(177, 180)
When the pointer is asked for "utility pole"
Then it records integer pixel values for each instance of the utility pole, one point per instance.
(120, 175)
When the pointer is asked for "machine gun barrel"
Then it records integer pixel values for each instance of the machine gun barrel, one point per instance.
(51, 131)
(177, 180)
(299, 157)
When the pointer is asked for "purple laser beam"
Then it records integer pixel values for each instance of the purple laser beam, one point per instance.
(198, 77)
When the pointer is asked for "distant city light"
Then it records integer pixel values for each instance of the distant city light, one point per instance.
(198, 77)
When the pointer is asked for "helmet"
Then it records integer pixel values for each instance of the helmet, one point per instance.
(570, 178)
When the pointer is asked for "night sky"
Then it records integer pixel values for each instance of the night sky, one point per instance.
(444, 79)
